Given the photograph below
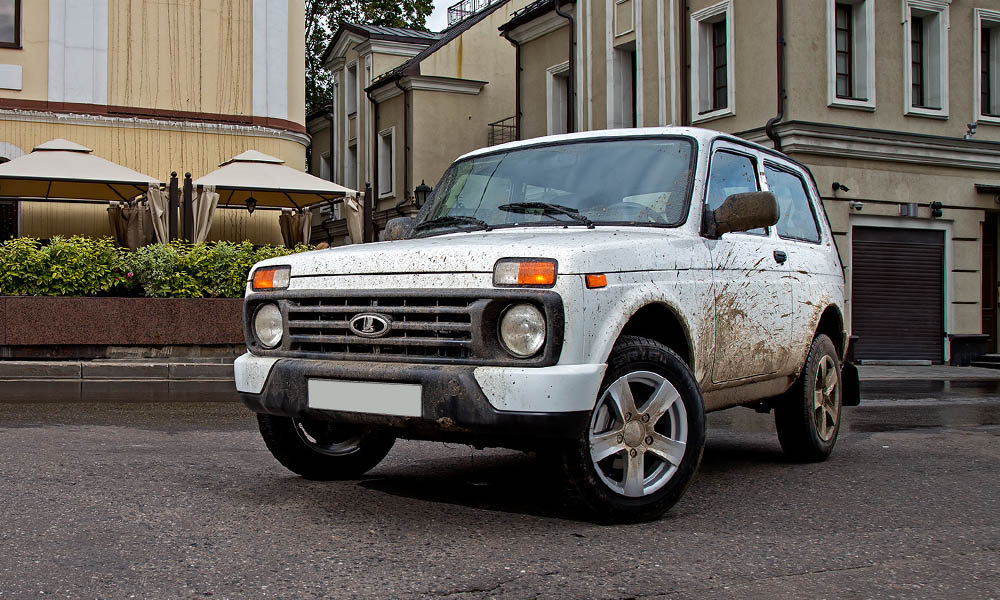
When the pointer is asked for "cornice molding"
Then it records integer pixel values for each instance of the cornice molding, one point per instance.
(30, 116)
(890, 146)
(428, 83)
(542, 25)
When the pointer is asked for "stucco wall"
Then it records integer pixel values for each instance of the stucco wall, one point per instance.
(537, 56)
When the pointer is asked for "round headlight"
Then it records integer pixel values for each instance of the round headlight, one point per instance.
(522, 330)
(267, 325)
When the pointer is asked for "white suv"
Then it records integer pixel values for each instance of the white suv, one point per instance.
(591, 295)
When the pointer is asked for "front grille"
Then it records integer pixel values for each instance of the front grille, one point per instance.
(421, 327)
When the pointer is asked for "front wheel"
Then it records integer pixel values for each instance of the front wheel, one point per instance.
(323, 450)
(808, 417)
(645, 437)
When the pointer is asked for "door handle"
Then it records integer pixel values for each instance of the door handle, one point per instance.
(780, 256)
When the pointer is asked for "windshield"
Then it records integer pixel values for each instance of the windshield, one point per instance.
(644, 181)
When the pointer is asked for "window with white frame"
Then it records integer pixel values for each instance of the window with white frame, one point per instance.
(925, 68)
(624, 90)
(351, 167)
(851, 53)
(324, 166)
(351, 90)
(987, 71)
(386, 162)
(712, 62)
(557, 99)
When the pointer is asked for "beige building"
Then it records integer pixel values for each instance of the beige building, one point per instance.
(407, 103)
(893, 105)
(155, 86)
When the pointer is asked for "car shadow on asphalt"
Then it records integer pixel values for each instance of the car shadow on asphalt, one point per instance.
(529, 484)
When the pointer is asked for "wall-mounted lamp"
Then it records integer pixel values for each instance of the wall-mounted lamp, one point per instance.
(420, 194)
(839, 186)
(251, 204)
(971, 131)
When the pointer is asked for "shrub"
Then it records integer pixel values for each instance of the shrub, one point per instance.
(81, 266)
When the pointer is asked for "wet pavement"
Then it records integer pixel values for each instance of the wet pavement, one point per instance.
(172, 498)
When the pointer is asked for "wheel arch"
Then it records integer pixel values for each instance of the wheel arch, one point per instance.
(831, 323)
(663, 323)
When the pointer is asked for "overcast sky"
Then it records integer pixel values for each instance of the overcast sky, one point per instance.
(439, 18)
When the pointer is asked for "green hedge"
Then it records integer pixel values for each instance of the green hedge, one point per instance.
(80, 266)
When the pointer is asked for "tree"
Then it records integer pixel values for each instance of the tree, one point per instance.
(324, 18)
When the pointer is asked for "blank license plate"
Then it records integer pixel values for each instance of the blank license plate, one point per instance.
(396, 399)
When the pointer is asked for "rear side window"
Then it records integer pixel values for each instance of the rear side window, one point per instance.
(797, 220)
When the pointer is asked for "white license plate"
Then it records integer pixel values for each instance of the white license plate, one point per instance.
(396, 399)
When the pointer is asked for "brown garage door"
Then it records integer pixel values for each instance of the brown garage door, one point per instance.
(897, 294)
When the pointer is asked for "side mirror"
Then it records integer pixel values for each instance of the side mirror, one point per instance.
(396, 229)
(742, 212)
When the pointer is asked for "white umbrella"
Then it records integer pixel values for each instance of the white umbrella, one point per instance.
(262, 180)
(60, 169)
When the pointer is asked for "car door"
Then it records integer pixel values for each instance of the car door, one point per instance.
(753, 298)
(812, 266)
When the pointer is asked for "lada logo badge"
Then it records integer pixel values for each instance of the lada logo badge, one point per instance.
(370, 325)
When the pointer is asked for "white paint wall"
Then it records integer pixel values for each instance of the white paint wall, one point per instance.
(78, 51)
(270, 58)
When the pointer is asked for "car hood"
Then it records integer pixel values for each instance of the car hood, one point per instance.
(577, 250)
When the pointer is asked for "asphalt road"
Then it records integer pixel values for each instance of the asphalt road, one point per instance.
(182, 500)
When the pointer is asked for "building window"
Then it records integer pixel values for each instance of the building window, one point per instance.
(851, 54)
(324, 166)
(845, 41)
(386, 162)
(926, 61)
(351, 90)
(623, 102)
(557, 99)
(988, 65)
(712, 62)
(10, 23)
(351, 167)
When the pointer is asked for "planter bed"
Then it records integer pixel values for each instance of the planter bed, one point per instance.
(55, 327)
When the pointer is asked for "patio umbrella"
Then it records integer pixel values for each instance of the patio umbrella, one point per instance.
(256, 179)
(60, 169)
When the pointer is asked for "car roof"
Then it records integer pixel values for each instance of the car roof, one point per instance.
(702, 136)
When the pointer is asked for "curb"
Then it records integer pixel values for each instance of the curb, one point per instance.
(114, 371)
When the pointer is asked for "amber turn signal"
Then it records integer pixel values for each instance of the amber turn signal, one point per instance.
(271, 278)
(596, 280)
(516, 272)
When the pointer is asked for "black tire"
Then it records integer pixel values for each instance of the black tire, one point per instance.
(593, 482)
(323, 450)
(803, 437)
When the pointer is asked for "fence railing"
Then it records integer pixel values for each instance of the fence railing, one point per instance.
(503, 131)
(465, 9)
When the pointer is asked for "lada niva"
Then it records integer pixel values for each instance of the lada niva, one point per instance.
(588, 295)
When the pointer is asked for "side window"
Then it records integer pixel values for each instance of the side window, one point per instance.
(797, 220)
(731, 174)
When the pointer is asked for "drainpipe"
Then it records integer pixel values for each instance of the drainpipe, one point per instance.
(571, 109)
(407, 98)
(333, 139)
(517, 85)
(769, 127)
(685, 64)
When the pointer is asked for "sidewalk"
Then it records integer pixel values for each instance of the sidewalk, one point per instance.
(216, 370)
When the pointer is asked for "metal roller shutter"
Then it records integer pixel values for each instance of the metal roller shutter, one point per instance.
(897, 294)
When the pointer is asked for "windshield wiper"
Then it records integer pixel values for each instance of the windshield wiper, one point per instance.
(453, 220)
(547, 210)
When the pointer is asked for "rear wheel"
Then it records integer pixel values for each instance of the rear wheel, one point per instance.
(645, 436)
(323, 450)
(808, 417)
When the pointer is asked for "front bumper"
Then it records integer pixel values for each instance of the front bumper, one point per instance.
(517, 404)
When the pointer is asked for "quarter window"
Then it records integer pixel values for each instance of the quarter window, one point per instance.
(796, 217)
(10, 23)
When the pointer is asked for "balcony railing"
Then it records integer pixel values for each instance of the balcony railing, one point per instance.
(465, 9)
(503, 131)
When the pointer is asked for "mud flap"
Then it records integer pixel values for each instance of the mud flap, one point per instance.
(850, 389)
